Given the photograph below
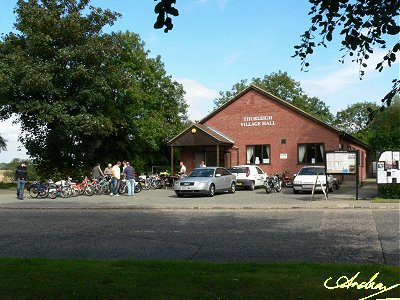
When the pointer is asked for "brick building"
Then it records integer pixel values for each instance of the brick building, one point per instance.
(256, 127)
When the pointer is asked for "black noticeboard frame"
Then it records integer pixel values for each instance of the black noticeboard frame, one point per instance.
(344, 152)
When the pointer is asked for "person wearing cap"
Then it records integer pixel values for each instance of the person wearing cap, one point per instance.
(21, 175)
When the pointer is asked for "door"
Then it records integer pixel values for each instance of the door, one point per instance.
(219, 179)
(260, 177)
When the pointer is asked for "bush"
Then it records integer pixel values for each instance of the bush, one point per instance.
(390, 191)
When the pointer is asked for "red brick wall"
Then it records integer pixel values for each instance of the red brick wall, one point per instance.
(289, 125)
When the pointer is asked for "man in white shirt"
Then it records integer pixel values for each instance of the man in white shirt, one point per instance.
(182, 170)
(116, 176)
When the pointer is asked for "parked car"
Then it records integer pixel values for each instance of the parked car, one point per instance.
(249, 176)
(206, 180)
(305, 179)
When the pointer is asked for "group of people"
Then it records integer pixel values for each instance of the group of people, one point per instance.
(114, 172)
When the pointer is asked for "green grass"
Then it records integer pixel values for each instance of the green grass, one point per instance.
(382, 200)
(85, 279)
(7, 186)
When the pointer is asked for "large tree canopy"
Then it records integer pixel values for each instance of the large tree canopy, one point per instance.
(354, 119)
(283, 86)
(81, 95)
(384, 130)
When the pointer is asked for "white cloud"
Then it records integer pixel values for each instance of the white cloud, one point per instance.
(10, 132)
(346, 75)
(198, 97)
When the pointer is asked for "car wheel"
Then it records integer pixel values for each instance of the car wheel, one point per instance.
(233, 188)
(211, 190)
(295, 191)
(252, 186)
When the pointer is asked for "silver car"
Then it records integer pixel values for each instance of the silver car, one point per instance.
(208, 181)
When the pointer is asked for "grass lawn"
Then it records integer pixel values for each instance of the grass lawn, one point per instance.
(7, 186)
(86, 279)
(381, 200)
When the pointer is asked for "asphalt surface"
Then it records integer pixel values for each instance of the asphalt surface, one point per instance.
(242, 199)
(323, 235)
(245, 226)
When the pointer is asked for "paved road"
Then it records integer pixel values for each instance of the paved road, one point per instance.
(323, 235)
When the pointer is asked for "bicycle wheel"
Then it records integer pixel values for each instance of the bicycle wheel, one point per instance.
(106, 189)
(89, 191)
(75, 191)
(34, 192)
(43, 193)
(52, 193)
(138, 187)
(66, 191)
(146, 185)
(158, 184)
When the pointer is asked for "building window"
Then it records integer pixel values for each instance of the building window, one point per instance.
(310, 153)
(283, 141)
(258, 154)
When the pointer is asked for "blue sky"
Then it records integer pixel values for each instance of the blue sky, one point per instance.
(216, 43)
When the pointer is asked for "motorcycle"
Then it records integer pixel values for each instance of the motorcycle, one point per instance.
(39, 189)
(273, 183)
(59, 188)
(286, 180)
(123, 188)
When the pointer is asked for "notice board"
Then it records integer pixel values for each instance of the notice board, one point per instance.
(341, 162)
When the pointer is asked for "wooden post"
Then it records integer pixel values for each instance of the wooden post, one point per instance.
(172, 160)
(217, 155)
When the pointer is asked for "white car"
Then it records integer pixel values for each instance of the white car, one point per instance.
(249, 176)
(307, 178)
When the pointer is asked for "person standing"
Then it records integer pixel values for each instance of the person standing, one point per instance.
(124, 164)
(21, 174)
(182, 170)
(116, 176)
(108, 171)
(202, 164)
(96, 172)
(129, 172)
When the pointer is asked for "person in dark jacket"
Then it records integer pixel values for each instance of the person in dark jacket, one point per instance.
(129, 172)
(97, 173)
(21, 174)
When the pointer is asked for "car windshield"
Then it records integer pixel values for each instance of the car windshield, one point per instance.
(239, 170)
(202, 172)
(312, 171)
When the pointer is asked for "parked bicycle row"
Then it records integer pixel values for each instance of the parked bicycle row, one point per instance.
(102, 186)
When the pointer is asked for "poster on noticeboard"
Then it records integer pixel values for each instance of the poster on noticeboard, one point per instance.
(388, 167)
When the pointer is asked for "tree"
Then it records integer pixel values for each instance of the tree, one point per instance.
(364, 24)
(283, 86)
(385, 128)
(3, 144)
(354, 119)
(83, 96)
